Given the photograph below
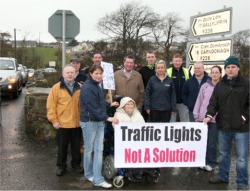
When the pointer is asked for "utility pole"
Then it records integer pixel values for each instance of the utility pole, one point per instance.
(15, 43)
(39, 39)
(63, 37)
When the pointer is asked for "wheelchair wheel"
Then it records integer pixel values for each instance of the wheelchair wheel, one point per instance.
(156, 180)
(109, 170)
(118, 182)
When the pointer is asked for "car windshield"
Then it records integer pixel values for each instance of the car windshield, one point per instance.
(6, 65)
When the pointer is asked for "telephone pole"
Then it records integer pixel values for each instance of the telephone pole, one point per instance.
(15, 43)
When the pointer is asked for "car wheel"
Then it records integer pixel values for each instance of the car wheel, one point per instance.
(20, 89)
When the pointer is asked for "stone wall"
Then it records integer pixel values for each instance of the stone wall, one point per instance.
(38, 88)
(37, 125)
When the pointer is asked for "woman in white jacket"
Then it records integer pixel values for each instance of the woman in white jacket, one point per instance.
(128, 112)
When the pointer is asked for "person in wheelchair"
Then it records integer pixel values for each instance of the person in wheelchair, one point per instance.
(128, 112)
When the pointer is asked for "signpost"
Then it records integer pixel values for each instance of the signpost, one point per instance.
(216, 22)
(213, 51)
(210, 51)
(64, 26)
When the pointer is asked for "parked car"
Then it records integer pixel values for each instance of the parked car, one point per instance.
(24, 73)
(49, 70)
(31, 72)
(10, 77)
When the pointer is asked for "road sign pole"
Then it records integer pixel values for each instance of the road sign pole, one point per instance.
(63, 38)
(57, 28)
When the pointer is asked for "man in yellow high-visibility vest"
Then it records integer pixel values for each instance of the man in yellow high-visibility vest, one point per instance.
(179, 75)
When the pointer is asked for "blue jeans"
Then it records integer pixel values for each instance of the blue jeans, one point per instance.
(212, 140)
(182, 110)
(93, 135)
(241, 140)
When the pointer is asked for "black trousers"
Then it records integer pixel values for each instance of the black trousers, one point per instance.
(160, 116)
(64, 137)
(144, 114)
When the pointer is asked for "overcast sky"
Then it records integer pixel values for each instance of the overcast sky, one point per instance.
(30, 17)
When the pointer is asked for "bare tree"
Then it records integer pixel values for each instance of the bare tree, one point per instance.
(167, 32)
(242, 49)
(242, 43)
(128, 25)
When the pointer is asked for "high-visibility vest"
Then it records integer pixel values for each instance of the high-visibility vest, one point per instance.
(185, 71)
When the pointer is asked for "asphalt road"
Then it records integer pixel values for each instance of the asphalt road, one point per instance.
(31, 165)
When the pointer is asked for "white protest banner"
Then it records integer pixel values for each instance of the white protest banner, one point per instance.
(108, 76)
(160, 145)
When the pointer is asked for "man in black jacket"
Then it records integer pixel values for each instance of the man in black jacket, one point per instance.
(179, 75)
(230, 100)
(146, 73)
(97, 59)
(80, 76)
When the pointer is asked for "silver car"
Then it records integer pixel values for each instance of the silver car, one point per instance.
(10, 77)
(24, 72)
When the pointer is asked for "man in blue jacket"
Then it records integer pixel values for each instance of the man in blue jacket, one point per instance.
(192, 86)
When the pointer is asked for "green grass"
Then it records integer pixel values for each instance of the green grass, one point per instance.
(47, 54)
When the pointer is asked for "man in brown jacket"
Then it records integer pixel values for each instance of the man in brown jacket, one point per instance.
(128, 82)
(63, 111)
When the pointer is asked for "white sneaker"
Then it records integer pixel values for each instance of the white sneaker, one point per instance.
(104, 185)
(90, 179)
(202, 167)
(208, 168)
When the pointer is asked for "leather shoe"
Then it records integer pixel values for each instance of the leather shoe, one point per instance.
(216, 180)
(60, 172)
(78, 169)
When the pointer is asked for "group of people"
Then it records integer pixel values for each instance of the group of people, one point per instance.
(157, 94)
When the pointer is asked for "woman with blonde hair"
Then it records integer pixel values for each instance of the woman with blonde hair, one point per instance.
(159, 96)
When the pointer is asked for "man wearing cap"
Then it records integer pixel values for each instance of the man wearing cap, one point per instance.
(80, 76)
(230, 100)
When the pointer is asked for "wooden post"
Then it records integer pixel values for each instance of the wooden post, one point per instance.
(110, 96)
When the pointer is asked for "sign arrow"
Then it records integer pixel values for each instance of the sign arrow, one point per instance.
(212, 23)
(213, 51)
